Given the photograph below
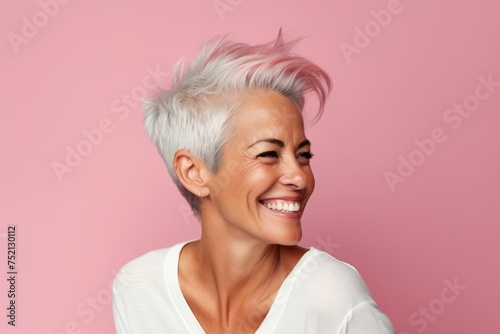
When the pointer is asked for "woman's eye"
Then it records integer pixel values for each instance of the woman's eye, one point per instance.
(304, 157)
(270, 154)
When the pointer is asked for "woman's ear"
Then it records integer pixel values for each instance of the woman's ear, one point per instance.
(192, 173)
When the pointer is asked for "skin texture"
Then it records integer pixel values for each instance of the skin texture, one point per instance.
(231, 276)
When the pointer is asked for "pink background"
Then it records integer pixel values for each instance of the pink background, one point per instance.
(73, 72)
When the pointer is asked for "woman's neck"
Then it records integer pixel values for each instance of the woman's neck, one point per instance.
(232, 277)
(237, 269)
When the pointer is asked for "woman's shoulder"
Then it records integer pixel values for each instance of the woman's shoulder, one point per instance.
(320, 273)
(334, 295)
(148, 266)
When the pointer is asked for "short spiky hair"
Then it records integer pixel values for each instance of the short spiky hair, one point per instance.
(194, 114)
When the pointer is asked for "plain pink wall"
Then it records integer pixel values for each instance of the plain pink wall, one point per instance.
(69, 72)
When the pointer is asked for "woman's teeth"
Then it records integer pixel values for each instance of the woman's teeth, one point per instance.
(282, 206)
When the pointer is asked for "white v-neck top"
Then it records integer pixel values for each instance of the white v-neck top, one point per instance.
(320, 295)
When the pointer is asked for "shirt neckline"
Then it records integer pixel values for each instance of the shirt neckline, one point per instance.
(275, 311)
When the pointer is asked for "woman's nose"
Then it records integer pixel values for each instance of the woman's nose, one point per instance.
(293, 175)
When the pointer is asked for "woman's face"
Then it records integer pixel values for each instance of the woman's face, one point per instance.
(265, 179)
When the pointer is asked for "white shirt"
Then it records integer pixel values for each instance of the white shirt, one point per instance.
(320, 295)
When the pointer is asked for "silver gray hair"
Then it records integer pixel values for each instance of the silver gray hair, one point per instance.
(194, 115)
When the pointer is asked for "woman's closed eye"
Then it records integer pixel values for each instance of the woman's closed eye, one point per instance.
(268, 154)
(304, 157)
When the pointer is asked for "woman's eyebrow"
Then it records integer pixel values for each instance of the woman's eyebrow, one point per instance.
(276, 142)
(305, 142)
(279, 143)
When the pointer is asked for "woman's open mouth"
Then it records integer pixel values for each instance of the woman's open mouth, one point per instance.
(283, 208)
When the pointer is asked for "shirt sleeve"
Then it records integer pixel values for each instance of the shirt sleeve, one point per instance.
(119, 313)
(366, 318)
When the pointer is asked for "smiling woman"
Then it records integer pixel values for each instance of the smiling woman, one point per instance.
(231, 133)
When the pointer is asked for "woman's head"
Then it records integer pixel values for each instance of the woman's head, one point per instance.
(195, 114)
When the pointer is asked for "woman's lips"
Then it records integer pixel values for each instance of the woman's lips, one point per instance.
(281, 212)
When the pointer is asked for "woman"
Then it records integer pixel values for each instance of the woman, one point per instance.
(231, 133)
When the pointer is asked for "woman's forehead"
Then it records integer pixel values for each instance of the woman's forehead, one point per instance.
(268, 109)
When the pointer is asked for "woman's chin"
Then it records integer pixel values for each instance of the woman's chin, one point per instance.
(288, 237)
